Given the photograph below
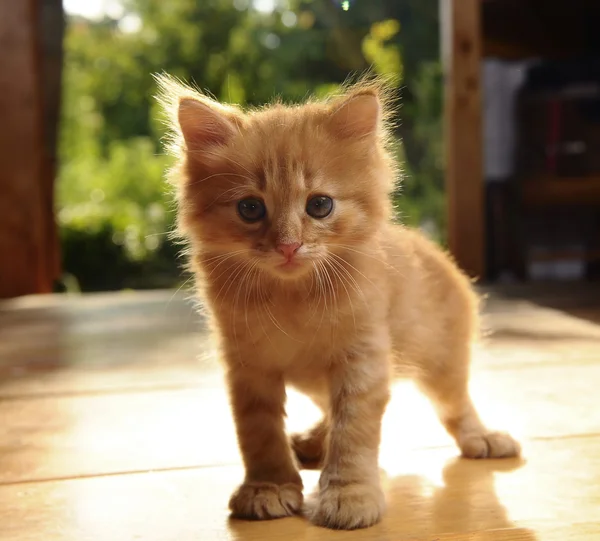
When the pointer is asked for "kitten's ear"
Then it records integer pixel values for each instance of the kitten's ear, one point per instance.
(357, 115)
(205, 123)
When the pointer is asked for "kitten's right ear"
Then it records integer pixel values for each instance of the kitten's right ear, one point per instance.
(205, 123)
(195, 119)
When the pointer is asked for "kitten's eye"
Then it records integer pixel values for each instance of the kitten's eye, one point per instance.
(252, 210)
(319, 206)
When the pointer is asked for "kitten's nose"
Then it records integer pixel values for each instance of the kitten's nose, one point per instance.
(288, 250)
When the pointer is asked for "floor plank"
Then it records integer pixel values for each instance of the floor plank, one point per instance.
(114, 424)
(432, 494)
(143, 340)
(101, 343)
(70, 436)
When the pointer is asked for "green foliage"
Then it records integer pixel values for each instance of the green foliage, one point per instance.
(422, 198)
(384, 57)
(115, 211)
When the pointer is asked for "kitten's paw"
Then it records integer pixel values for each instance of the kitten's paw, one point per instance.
(261, 501)
(348, 507)
(309, 449)
(489, 445)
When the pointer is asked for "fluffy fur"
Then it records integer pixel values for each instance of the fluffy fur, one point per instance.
(360, 295)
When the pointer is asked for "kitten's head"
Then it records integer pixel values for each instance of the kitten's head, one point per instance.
(282, 187)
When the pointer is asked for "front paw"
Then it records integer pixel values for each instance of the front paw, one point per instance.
(489, 445)
(261, 501)
(348, 506)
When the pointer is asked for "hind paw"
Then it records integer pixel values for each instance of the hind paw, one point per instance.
(489, 445)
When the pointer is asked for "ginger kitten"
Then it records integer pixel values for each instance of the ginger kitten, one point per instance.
(309, 283)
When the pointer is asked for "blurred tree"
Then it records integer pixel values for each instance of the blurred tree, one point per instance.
(111, 176)
(399, 39)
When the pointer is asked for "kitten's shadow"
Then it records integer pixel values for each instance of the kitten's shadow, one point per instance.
(466, 502)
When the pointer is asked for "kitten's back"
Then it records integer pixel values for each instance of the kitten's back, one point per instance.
(433, 304)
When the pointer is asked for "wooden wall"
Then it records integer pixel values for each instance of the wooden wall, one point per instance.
(30, 59)
(461, 57)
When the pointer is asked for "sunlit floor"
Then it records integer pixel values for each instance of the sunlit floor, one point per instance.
(114, 426)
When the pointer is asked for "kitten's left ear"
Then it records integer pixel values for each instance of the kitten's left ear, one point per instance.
(357, 115)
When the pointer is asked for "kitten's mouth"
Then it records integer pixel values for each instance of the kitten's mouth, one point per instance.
(290, 268)
(289, 265)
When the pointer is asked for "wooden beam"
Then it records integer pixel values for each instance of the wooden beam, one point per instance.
(461, 53)
(52, 30)
(24, 214)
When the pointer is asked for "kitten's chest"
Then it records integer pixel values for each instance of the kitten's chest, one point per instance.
(291, 333)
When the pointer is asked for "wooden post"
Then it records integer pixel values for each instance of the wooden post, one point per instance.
(52, 30)
(461, 54)
(27, 237)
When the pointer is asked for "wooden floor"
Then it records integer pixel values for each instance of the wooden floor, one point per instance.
(106, 402)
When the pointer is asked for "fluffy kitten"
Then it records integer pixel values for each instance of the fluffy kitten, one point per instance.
(309, 284)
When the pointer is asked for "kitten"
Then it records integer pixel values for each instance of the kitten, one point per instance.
(309, 283)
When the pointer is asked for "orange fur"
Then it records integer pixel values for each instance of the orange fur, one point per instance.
(364, 294)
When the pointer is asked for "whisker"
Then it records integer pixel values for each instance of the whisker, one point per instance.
(313, 283)
(276, 323)
(339, 262)
(225, 255)
(341, 279)
(229, 158)
(236, 297)
(224, 271)
(261, 305)
(358, 271)
(253, 271)
(371, 256)
(236, 193)
(334, 300)
(221, 174)
(323, 296)
(178, 290)
(237, 269)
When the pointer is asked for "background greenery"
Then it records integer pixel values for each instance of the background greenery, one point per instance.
(114, 210)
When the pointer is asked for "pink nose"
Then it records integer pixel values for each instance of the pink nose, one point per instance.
(288, 250)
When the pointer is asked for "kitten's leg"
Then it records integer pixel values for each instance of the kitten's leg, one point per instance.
(447, 386)
(272, 486)
(309, 446)
(350, 494)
